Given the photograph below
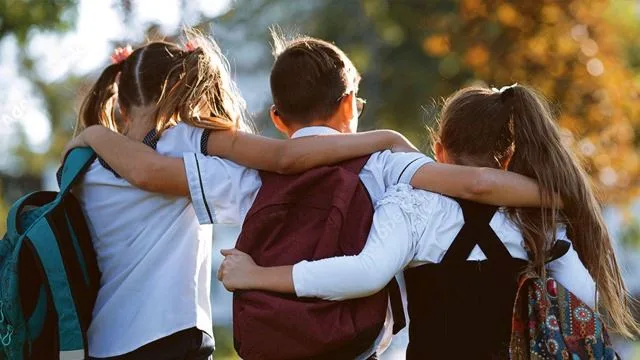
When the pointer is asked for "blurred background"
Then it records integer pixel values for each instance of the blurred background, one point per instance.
(583, 55)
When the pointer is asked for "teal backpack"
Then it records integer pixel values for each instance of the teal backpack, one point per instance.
(49, 277)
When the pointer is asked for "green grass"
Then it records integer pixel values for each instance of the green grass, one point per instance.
(224, 344)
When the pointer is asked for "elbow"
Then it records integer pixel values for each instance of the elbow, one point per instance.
(482, 185)
(286, 164)
(145, 177)
(141, 179)
(372, 287)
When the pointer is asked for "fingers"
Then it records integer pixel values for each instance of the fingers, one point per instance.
(233, 269)
(219, 275)
(227, 252)
(77, 141)
(66, 150)
(222, 276)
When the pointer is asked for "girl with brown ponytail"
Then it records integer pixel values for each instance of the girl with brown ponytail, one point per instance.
(462, 258)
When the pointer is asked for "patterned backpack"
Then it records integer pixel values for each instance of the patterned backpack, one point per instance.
(549, 322)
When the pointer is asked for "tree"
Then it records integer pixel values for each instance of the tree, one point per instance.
(412, 52)
(19, 19)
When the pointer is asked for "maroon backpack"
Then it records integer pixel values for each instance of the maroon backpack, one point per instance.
(324, 212)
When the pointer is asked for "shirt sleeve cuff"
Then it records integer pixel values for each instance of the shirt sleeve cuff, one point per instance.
(196, 189)
(413, 167)
(300, 276)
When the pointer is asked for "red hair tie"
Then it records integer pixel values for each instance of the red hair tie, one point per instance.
(121, 54)
(190, 46)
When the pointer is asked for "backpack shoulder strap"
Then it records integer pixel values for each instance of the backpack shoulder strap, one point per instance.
(52, 263)
(75, 164)
(37, 198)
(558, 250)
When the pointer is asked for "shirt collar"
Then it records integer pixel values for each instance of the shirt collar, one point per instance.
(314, 130)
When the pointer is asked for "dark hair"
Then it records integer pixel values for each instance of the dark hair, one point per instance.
(485, 127)
(192, 86)
(308, 78)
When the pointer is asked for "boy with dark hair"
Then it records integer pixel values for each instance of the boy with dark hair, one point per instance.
(314, 87)
(310, 80)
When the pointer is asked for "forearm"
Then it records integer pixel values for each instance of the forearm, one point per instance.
(340, 278)
(300, 154)
(138, 163)
(387, 251)
(485, 185)
(505, 188)
(277, 279)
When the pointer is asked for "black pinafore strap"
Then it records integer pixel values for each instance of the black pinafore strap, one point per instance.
(476, 231)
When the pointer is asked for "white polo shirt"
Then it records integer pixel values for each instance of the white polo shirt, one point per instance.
(223, 191)
(156, 269)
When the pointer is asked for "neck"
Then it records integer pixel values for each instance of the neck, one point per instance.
(141, 121)
(330, 123)
(477, 161)
(137, 132)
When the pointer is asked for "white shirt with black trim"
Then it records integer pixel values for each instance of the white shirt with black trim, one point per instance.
(156, 267)
(223, 191)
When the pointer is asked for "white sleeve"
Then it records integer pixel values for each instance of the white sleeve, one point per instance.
(388, 250)
(399, 168)
(569, 271)
(221, 191)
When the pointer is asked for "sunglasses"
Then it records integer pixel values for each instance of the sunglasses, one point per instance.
(360, 103)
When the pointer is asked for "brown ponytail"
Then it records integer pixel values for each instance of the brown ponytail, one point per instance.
(98, 107)
(524, 126)
(540, 154)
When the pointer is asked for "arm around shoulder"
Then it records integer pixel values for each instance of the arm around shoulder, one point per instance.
(300, 154)
(137, 163)
(485, 185)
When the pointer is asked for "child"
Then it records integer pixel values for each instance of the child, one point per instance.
(314, 87)
(463, 259)
(154, 299)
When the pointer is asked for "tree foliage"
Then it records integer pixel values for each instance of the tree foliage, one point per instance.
(584, 55)
(412, 53)
(20, 17)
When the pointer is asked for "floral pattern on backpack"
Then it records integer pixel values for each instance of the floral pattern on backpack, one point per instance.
(549, 322)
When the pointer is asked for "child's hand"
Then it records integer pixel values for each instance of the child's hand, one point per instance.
(237, 270)
(78, 141)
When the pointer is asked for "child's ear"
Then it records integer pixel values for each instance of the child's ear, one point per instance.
(346, 109)
(124, 115)
(277, 120)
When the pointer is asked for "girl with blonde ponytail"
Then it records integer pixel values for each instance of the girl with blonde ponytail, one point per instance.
(154, 299)
(463, 259)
